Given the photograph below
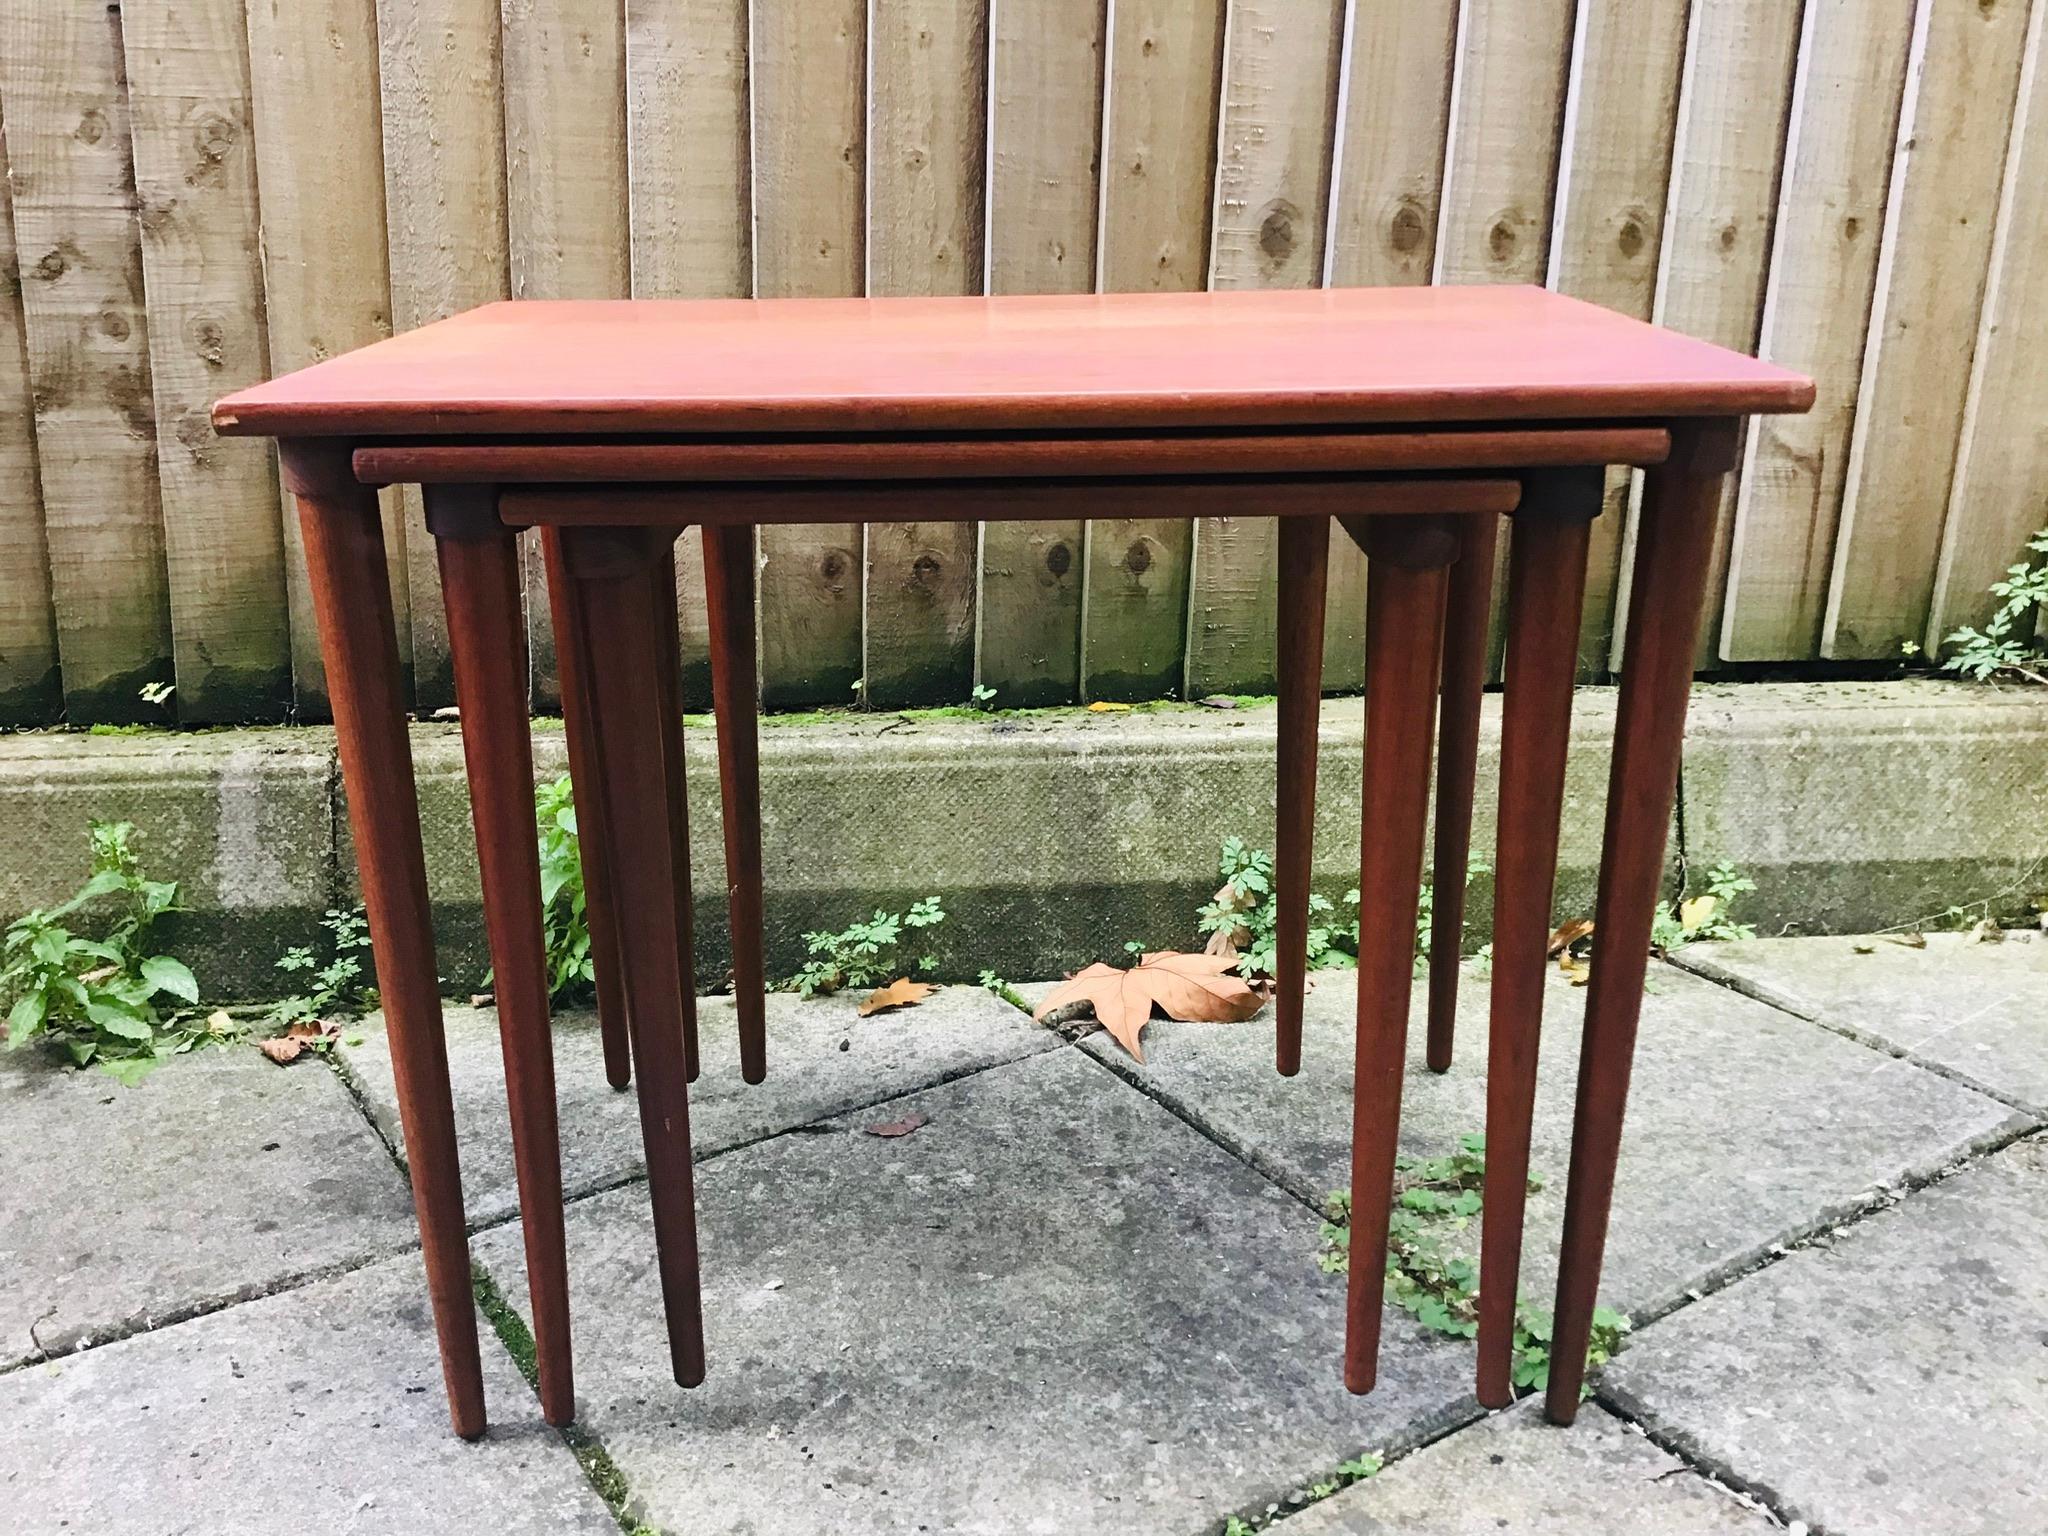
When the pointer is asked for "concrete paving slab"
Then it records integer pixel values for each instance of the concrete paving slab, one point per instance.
(1890, 1382)
(1976, 1010)
(318, 1409)
(1052, 1309)
(823, 1059)
(1746, 1127)
(1514, 1472)
(221, 1176)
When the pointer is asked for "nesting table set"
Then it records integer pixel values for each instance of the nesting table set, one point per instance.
(1413, 418)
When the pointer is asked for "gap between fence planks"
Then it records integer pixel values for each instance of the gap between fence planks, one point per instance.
(64, 97)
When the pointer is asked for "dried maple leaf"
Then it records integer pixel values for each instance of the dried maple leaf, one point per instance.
(900, 993)
(1192, 988)
(1570, 934)
(903, 1127)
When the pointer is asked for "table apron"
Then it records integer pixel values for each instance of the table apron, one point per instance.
(680, 506)
(989, 457)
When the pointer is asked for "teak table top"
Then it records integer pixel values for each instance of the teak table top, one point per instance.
(1322, 357)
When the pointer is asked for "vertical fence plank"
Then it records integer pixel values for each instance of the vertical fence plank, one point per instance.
(444, 192)
(31, 689)
(1161, 83)
(927, 141)
(1734, 100)
(1852, 68)
(327, 286)
(1937, 251)
(1280, 65)
(566, 198)
(1614, 176)
(1044, 159)
(688, 145)
(65, 99)
(1385, 196)
(2000, 495)
(1507, 114)
(809, 95)
(195, 177)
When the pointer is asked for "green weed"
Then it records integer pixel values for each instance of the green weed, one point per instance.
(110, 1001)
(1432, 1277)
(867, 953)
(1708, 915)
(340, 985)
(2010, 642)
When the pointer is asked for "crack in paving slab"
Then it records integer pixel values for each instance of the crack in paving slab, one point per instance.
(1887, 1380)
(318, 1409)
(1053, 1264)
(222, 1177)
(1770, 1127)
(823, 1061)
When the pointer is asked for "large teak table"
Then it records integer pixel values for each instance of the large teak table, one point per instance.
(1413, 418)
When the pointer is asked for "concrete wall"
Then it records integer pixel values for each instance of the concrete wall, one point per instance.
(1055, 836)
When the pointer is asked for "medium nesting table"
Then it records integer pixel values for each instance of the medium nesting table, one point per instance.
(1413, 418)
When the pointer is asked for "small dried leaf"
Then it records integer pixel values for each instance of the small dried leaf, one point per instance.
(1987, 932)
(1909, 940)
(1568, 935)
(1106, 707)
(903, 1127)
(218, 1022)
(900, 993)
(1575, 968)
(1864, 949)
(1218, 701)
(283, 1049)
(1698, 912)
(483, 1000)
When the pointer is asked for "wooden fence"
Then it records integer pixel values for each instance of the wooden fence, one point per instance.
(208, 191)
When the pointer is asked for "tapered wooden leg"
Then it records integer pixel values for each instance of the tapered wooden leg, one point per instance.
(1303, 588)
(1546, 586)
(735, 694)
(572, 658)
(480, 583)
(613, 588)
(344, 542)
(1404, 611)
(1467, 610)
(1673, 545)
(669, 693)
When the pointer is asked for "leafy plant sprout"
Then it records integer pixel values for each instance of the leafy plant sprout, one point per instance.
(866, 953)
(2010, 641)
(112, 1001)
(338, 986)
(1429, 1278)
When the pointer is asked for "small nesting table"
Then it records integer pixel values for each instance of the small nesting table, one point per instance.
(1413, 418)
